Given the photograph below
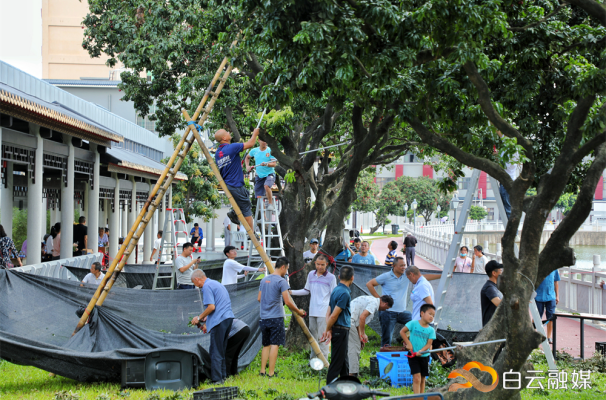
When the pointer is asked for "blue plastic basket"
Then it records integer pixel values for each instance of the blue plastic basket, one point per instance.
(400, 373)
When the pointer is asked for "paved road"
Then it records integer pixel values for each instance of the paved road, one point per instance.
(568, 330)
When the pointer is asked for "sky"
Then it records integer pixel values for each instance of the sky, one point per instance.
(21, 35)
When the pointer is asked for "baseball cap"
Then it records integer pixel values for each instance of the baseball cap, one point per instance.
(313, 241)
(491, 266)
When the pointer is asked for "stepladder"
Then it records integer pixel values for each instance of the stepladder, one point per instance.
(173, 237)
(449, 265)
(267, 227)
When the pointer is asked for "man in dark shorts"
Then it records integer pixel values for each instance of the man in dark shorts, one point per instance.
(491, 296)
(196, 235)
(229, 163)
(272, 291)
(266, 174)
(338, 324)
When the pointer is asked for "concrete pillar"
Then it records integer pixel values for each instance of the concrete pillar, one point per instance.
(67, 203)
(6, 196)
(104, 222)
(148, 239)
(162, 215)
(212, 236)
(124, 221)
(114, 219)
(93, 204)
(132, 215)
(207, 234)
(35, 211)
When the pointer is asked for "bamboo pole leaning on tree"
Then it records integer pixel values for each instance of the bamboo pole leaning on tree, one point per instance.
(146, 214)
(251, 234)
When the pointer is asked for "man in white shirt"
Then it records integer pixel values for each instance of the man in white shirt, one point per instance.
(422, 291)
(231, 267)
(157, 244)
(227, 229)
(320, 284)
(185, 265)
(95, 276)
(479, 261)
(313, 250)
(363, 310)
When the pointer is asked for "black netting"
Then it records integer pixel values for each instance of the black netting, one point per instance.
(461, 318)
(143, 275)
(38, 317)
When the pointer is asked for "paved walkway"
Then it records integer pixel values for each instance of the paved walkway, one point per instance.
(568, 330)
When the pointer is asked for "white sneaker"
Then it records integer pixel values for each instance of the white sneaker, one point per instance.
(271, 207)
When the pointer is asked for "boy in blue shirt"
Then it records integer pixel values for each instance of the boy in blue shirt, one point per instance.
(391, 246)
(229, 163)
(422, 336)
(266, 174)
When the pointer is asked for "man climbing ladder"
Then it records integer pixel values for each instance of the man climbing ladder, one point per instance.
(265, 172)
(229, 163)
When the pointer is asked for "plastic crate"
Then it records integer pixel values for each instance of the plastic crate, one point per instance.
(400, 372)
(219, 393)
(374, 366)
(600, 347)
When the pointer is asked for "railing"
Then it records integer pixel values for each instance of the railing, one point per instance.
(433, 245)
(580, 289)
(56, 268)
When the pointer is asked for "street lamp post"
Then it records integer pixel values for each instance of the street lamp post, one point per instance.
(414, 218)
(405, 211)
(438, 212)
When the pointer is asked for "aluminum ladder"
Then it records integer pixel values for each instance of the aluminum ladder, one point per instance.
(449, 265)
(269, 224)
(175, 229)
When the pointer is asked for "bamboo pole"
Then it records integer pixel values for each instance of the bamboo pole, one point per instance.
(252, 236)
(146, 213)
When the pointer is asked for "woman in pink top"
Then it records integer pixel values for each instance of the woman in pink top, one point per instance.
(462, 262)
(57, 242)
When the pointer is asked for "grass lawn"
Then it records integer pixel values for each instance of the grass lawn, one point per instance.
(296, 379)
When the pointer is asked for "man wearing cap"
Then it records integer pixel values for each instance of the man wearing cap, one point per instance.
(491, 296)
(313, 250)
(410, 242)
(196, 235)
(320, 284)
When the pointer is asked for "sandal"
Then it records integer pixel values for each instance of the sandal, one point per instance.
(275, 375)
(262, 374)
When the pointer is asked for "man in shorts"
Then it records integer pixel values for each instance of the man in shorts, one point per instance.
(272, 291)
(229, 163)
(266, 174)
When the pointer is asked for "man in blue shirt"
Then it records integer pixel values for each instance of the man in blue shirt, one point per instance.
(218, 317)
(548, 295)
(363, 257)
(266, 174)
(196, 235)
(338, 322)
(229, 163)
(394, 284)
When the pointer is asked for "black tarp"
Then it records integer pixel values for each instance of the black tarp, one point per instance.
(37, 318)
(143, 274)
(461, 318)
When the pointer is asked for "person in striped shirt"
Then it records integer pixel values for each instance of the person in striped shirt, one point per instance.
(391, 246)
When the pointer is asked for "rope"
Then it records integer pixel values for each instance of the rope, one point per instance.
(198, 127)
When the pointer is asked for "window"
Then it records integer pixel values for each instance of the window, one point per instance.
(412, 158)
(383, 181)
(464, 183)
(144, 122)
(490, 216)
